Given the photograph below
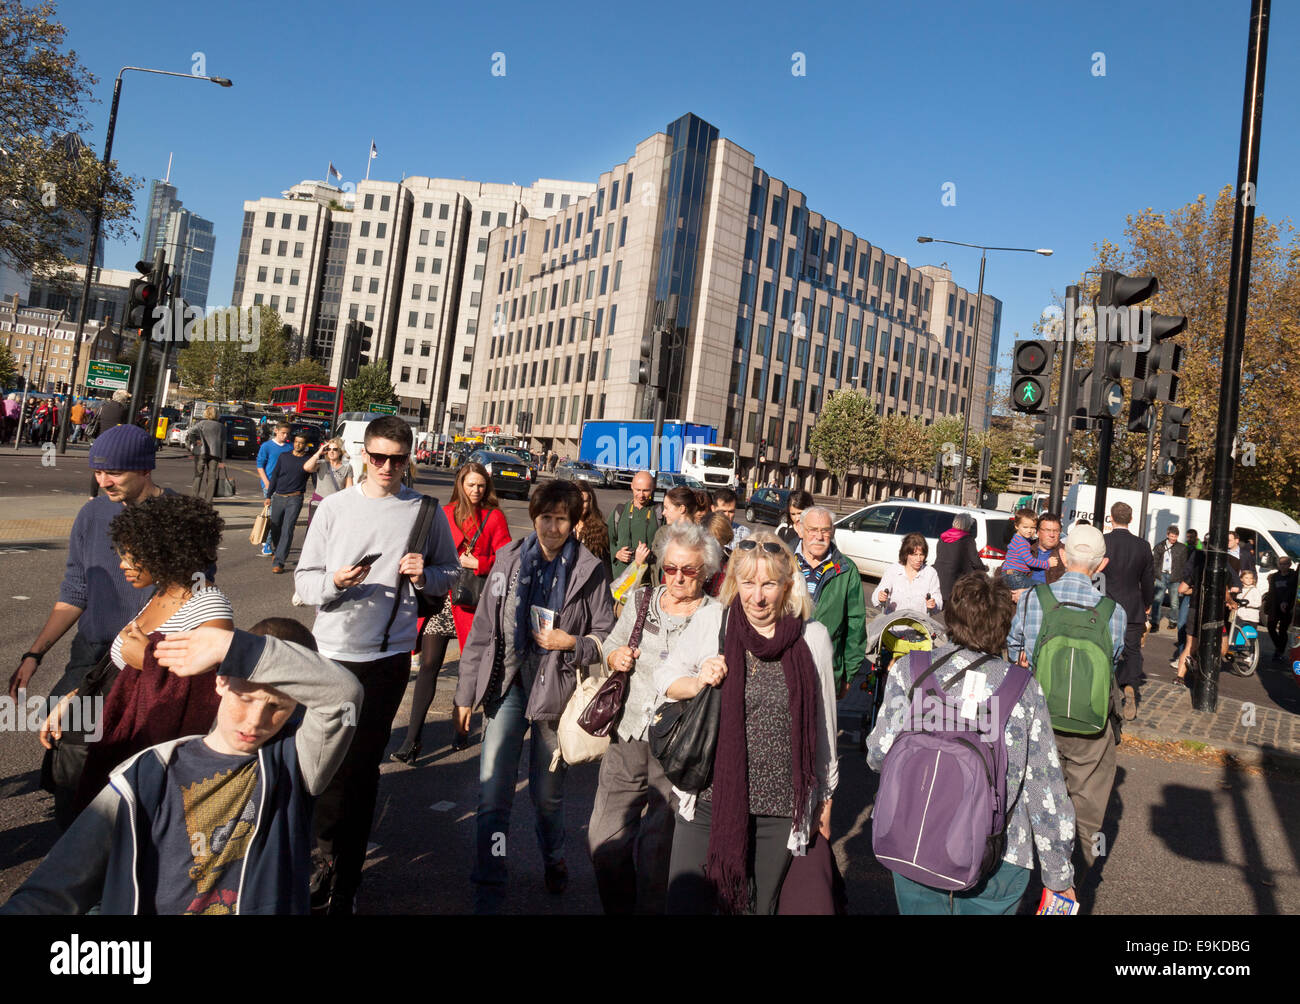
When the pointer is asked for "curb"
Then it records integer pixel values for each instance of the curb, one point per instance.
(1246, 753)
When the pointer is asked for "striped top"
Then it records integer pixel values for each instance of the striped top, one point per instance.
(208, 604)
(1021, 559)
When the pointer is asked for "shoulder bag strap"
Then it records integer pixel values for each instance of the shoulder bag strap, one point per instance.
(417, 541)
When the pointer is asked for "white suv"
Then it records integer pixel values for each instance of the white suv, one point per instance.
(872, 536)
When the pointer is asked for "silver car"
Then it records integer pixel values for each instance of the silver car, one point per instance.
(580, 470)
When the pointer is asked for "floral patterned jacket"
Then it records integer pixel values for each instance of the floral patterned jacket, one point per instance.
(1041, 815)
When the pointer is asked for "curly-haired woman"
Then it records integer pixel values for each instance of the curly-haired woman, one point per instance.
(165, 542)
(479, 530)
(591, 531)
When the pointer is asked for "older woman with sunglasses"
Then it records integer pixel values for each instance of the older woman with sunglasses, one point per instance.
(631, 829)
(775, 767)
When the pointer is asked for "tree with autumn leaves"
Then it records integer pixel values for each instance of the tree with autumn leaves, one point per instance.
(1189, 250)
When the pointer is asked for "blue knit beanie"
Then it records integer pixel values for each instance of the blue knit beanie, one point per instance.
(123, 448)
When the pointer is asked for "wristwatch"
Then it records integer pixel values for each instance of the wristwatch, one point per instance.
(38, 656)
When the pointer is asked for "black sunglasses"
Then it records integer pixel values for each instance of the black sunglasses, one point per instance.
(382, 459)
(771, 547)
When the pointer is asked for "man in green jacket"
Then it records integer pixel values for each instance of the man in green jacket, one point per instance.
(633, 523)
(836, 590)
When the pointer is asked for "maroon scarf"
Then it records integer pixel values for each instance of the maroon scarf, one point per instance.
(729, 837)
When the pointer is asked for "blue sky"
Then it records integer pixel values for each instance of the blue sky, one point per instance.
(998, 98)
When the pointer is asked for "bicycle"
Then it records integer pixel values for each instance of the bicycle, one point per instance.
(1243, 648)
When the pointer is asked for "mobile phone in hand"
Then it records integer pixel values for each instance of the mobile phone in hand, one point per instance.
(368, 560)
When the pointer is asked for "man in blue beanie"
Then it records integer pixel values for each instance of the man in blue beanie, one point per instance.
(94, 595)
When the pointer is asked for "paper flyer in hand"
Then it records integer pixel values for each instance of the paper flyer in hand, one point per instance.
(1053, 904)
(543, 619)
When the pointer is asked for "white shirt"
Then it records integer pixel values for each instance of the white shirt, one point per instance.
(908, 594)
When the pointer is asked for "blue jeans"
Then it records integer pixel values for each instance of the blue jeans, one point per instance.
(284, 517)
(1000, 893)
(503, 741)
(1165, 588)
(1184, 606)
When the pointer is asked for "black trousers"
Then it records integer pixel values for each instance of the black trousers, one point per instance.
(346, 809)
(1129, 671)
(1278, 626)
(689, 892)
(61, 767)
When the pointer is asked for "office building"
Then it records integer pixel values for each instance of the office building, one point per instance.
(185, 238)
(41, 342)
(777, 307)
(405, 258)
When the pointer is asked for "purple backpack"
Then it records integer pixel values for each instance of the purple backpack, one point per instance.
(940, 816)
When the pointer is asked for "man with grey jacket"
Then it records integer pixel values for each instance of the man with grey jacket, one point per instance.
(355, 566)
(209, 435)
(1169, 558)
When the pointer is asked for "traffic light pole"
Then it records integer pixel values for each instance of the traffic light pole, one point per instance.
(1064, 403)
(1146, 472)
(160, 386)
(970, 386)
(1205, 686)
(1106, 433)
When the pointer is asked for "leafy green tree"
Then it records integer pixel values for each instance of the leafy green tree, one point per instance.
(847, 435)
(8, 367)
(905, 448)
(945, 445)
(216, 361)
(304, 371)
(371, 386)
(49, 177)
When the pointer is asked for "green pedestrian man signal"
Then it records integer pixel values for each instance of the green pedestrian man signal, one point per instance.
(1031, 369)
(1028, 394)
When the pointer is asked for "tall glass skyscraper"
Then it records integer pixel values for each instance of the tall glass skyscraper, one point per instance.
(186, 239)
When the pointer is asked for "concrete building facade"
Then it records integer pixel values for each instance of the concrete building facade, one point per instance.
(776, 306)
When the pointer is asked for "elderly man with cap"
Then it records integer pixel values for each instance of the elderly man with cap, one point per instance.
(94, 595)
(1088, 761)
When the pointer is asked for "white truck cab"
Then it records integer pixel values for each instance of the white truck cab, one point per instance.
(713, 466)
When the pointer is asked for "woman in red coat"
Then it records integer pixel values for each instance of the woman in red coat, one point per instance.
(478, 529)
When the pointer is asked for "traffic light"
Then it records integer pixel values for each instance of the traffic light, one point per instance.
(1043, 433)
(642, 366)
(1031, 375)
(350, 361)
(142, 297)
(660, 359)
(1116, 329)
(364, 333)
(1173, 437)
(1163, 364)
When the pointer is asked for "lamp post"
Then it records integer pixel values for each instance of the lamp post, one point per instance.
(98, 218)
(975, 349)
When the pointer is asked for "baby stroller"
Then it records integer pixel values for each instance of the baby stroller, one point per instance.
(888, 637)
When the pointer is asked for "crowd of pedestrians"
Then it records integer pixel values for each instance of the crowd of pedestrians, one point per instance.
(723, 650)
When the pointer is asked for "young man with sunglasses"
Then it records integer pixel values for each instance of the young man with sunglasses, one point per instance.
(356, 568)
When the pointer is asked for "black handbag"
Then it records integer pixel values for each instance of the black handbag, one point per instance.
(684, 735)
(603, 711)
(62, 766)
(469, 584)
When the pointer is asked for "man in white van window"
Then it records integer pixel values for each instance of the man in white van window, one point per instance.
(1170, 558)
(356, 567)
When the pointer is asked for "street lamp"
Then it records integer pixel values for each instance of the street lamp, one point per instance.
(975, 349)
(98, 218)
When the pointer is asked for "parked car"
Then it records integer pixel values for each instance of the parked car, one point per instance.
(176, 433)
(664, 483)
(534, 465)
(767, 505)
(510, 475)
(580, 470)
(241, 437)
(872, 536)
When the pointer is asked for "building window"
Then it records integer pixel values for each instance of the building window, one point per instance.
(266, 246)
(381, 229)
(440, 239)
(261, 273)
(285, 220)
(365, 229)
(378, 258)
(416, 290)
(419, 264)
(356, 284)
(278, 276)
(361, 256)
(374, 285)
(424, 237)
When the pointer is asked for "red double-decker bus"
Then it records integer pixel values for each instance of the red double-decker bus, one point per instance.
(307, 399)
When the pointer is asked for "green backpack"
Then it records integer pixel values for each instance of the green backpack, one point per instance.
(1073, 662)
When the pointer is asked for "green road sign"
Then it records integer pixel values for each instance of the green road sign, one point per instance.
(383, 409)
(108, 376)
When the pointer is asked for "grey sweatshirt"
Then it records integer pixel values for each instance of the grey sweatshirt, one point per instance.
(213, 434)
(347, 526)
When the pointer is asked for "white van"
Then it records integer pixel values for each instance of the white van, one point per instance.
(1272, 532)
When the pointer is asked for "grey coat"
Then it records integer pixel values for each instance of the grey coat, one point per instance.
(587, 614)
(213, 434)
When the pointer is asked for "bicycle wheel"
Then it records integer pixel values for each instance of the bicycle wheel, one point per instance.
(1248, 658)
